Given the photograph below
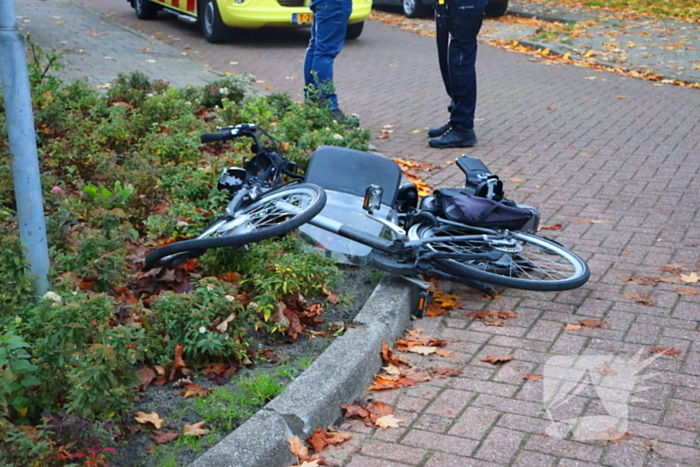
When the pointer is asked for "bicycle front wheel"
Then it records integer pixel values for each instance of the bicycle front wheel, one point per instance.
(273, 214)
(525, 261)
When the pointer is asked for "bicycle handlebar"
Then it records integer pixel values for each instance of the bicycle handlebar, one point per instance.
(213, 137)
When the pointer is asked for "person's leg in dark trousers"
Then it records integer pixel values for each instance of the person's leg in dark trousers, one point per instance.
(327, 39)
(465, 19)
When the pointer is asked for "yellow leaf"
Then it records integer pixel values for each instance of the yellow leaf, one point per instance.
(422, 349)
(151, 418)
(690, 278)
(571, 327)
(59, 22)
(388, 421)
(195, 430)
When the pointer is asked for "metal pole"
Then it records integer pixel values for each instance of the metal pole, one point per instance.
(22, 137)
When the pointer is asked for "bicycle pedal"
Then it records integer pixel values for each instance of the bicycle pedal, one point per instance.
(421, 303)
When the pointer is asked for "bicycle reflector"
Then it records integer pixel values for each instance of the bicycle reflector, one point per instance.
(373, 198)
(232, 179)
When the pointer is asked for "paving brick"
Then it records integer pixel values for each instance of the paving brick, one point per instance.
(433, 423)
(440, 459)
(438, 442)
(624, 454)
(500, 445)
(488, 401)
(394, 452)
(474, 423)
(363, 461)
(532, 459)
(558, 447)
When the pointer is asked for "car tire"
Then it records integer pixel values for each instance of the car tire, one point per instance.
(354, 30)
(145, 9)
(414, 8)
(496, 8)
(213, 28)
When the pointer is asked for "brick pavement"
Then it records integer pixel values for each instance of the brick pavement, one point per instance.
(612, 149)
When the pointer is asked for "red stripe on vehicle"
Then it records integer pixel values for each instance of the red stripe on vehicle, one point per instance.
(190, 5)
(175, 3)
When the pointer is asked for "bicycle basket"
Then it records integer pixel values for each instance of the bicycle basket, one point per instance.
(460, 206)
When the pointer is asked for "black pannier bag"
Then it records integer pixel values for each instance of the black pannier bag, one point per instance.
(461, 206)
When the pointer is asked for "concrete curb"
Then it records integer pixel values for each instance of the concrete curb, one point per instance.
(313, 400)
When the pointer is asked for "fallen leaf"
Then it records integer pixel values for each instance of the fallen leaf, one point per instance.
(515, 179)
(422, 349)
(434, 310)
(163, 437)
(587, 221)
(593, 323)
(178, 362)
(493, 317)
(195, 430)
(443, 372)
(195, 390)
(550, 227)
(320, 439)
(146, 375)
(383, 382)
(311, 462)
(298, 449)
(690, 278)
(444, 353)
(666, 350)
(687, 291)
(672, 269)
(497, 359)
(571, 327)
(224, 324)
(269, 87)
(637, 298)
(151, 418)
(388, 421)
(355, 411)
(532, 377)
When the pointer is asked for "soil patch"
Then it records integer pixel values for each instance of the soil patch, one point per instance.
(233, 401)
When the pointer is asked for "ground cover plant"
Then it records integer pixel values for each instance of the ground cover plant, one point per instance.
(123, 172)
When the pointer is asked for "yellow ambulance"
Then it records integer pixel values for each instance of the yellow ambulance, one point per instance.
(218, 17)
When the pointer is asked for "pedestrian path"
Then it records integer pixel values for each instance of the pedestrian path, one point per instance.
(97, 49)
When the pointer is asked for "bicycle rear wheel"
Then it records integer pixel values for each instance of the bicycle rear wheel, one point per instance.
(526, 261)
(271, 215)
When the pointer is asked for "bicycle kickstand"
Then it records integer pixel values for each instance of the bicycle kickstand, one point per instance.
(423, 295)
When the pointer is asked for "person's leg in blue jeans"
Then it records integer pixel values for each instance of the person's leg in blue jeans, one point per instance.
(465, 19)
(327, 39)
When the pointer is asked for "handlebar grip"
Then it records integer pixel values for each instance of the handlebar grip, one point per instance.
(213, 137)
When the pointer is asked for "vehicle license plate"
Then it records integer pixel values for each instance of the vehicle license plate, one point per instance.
(302, 18)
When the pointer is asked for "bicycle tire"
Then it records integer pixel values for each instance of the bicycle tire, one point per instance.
(527, 268)
(257, 221)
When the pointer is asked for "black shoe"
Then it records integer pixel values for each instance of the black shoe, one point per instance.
(455, 137)
(439, 131)
(350, 122)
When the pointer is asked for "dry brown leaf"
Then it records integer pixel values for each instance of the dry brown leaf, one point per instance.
(355, 411)
(444, 372)
(195, 430)
(493, 317)
(163, 437)
(672, 269)
(383, 382)
(690, 278)
(516, 179)
(571, 327)
(320, 439)
(192, 390)
(434, 310)
(297, 447)
(666, 350)
(146, 375)
(687, 291)
(311, 462)
(178, 362)
(497, 359)
(444, 352)
(637, 298)
(388, 421)
(530, 377)
(551, 227)
(587, 221)
(594, 323)
(151, 418)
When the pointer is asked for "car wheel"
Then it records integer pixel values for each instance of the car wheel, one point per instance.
(145, 9)
(414, 8)
(214, 29)
(496, 8)
(354, 30)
